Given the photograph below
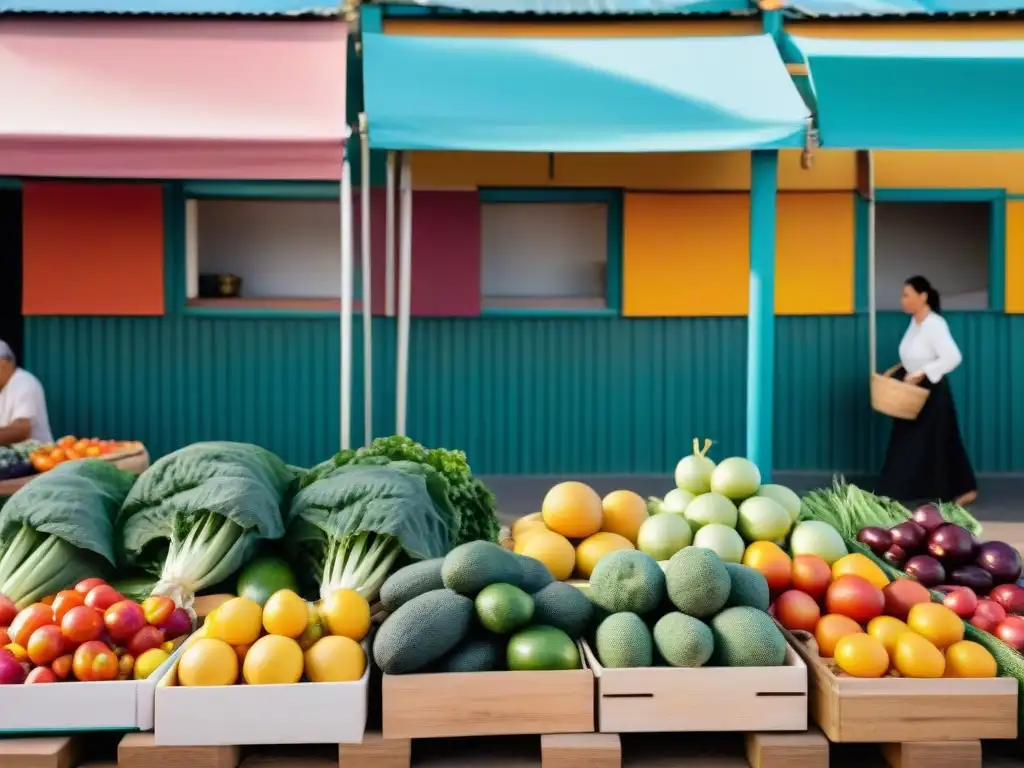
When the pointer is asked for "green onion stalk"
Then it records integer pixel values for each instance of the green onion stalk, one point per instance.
(361, 563)
(34, 565)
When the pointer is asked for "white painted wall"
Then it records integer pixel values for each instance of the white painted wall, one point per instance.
(946, 242)
(280, 248)
(544, 250)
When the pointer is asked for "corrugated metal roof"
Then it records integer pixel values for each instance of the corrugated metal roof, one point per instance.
(176, 7)
(852, 8)
(589, 7)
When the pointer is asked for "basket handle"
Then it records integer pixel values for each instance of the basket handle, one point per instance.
(891, 371)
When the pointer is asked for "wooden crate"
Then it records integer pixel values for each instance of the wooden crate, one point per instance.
(667, 699)
(444, 705)
(900, 710)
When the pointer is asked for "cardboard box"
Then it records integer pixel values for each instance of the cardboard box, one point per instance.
(303, 713)
(105, 706)
(671, 699)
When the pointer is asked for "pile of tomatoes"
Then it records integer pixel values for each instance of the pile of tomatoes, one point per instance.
(90, 633)
(870, 627)
(70, 448)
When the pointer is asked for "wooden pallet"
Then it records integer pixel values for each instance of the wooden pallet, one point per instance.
(99, 751)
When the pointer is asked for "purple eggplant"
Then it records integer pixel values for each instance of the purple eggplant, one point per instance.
(926, 570)
(876, 538)
(910, 536)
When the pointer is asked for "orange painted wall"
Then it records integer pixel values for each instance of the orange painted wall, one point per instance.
(695, 171)
(93, 249)
(979, 28)
(687, 255)
(1015, 257)
(815, 235)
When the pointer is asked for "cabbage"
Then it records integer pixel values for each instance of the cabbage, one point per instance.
(59, 529)
(199, 514)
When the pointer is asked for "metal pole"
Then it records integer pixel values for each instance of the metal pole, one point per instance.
(367, 283)
(872, 300)
(346, 305)
(404, 291)
(389, 241)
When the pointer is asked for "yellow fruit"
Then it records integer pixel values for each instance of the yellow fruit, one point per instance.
(314, 627)
(593, 548)
(936, 624)
(623, 512)
(528, 523)
(335, 659)
(345, 612)
(857, 564)
(967, 659)
(208, 662)
(149, 661)
(861, 655)
(916, 657)
(886, 629)
(273, 660)
(572, 509)
(286, 614)
(238, 622)
(553, 550)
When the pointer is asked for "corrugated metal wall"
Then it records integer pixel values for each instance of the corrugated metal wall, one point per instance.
(518, 395)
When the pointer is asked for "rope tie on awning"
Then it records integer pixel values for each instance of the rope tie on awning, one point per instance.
(811, 144)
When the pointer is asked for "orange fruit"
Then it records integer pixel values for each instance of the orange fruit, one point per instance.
(936, 623)
(830, 630)
(527, 524)
(916, 657)
(773, 563)
(886, 629)
(552, 549)
(573, 510)
(967, 659)
(860, 655)
(623, 512)
(857, 564)
(593, 548)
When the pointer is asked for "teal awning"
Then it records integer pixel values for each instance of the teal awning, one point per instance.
(920, 94)
(579, 95)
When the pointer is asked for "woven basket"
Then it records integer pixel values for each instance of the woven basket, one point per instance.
(896, 398)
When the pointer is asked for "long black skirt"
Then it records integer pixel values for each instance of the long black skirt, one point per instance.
(926, 459)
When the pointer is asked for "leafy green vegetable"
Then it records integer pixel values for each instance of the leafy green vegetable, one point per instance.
(59, 529)
(350, 526)
(472, 501)
(199, 514)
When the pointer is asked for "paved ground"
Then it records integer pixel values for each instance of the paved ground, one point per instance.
(1000, 497)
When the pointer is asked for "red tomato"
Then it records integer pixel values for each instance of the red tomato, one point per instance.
(797, 610)
(1011, 632)
(123, 619)
(86, 586)
(28, 621)
(145, 639)
(855, 597)
(64, 602)
(94, 661)
(157, 609)
(988, 615)
(62, 666)
(5, 637)
(961, 601)
(81, 625)
(903, 594)
(102, 597)
(811, 575)
(45, 645)
(41, 675)
(8, 610)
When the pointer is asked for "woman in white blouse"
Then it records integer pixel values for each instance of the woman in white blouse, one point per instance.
(926, 459)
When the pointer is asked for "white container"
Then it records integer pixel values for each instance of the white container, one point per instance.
(104, 706)
(303, 713)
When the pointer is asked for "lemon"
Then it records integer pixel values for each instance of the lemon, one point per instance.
(286, 614)
(237, 622)
(346, 613)
(335, 659)
(208, 662)
(273, 660)
(149, 662)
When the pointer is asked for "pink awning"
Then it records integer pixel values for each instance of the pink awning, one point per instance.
(171, 99)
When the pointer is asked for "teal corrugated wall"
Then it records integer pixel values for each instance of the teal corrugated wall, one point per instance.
(518, 395)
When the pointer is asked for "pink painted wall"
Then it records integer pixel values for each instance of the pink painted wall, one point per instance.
(445, 253)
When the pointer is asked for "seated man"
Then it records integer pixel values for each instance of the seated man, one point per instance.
(22, 403)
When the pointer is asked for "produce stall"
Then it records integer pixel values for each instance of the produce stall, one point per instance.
(222, 580)
(22, 462)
